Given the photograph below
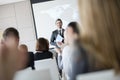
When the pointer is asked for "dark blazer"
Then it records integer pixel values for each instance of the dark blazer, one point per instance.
(54, 36)
(31, 60)
(43, 55)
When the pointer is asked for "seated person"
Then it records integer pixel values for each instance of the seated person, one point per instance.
(11, 59)
(42, 48)
(30, 56)
(23, 50)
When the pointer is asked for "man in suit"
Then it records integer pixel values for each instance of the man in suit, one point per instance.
(55, 33)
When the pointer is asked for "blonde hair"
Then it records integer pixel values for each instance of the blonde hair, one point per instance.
(101, 28)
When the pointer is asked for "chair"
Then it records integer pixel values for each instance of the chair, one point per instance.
(33, 75)
(102, 75)
(48, 64)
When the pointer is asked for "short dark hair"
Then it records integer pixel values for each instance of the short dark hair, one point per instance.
(59, 20)
(11, 32)
(75, 27)
(43, 44)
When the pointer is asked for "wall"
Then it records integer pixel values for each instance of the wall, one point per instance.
(19, 15)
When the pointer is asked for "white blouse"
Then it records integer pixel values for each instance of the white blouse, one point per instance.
(67, 60)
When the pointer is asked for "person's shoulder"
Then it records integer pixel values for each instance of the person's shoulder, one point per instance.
(37, 53)
(31, 52)
(49, 52)
(63, 29)
(66, 48)
(54, 31)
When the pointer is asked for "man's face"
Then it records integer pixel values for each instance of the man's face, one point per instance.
(59, 24)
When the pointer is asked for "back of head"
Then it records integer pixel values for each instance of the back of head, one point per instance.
(72, 33)
(23, 48)
(11, 32)
(42, 44)
(101, 28)
(11, 37)
(75, 27)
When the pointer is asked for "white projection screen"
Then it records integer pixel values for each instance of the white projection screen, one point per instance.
(46, 13)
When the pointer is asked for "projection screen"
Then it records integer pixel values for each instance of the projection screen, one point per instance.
(46, 12)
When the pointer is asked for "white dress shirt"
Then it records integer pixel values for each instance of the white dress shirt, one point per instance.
(67, 60)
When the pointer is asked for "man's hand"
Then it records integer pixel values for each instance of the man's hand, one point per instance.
(59, 44)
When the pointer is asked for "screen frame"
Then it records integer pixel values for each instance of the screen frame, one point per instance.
(35, 2)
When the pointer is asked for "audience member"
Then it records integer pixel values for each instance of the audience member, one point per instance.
(10, 36)
(71, 59)
(29, 56)
(9, 54)
(100, 30)
(24, 51)
(42, 48)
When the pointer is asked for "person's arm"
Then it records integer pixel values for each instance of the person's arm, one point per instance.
(79, 63)
(53, 39)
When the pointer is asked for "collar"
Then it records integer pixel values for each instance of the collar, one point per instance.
(59, 29)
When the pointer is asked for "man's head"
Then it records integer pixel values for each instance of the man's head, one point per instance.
(23, 48)
(11, 36)
(59, 23)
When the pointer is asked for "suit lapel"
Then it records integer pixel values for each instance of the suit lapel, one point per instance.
(62, 32)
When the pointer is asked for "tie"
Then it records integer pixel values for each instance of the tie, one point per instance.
(60, 32)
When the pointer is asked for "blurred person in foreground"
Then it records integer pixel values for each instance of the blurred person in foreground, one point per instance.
(100, 31)
(24, 51)
(42, 48)
(29, 56)
(72, 59)
(10, 56)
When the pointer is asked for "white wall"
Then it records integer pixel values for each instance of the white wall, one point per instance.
(2, 2)
(19, 15)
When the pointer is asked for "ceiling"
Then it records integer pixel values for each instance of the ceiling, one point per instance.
(2, 2)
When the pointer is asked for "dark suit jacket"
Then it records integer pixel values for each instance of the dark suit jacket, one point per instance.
(43, 55)
(54, 36)
(31, 60)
